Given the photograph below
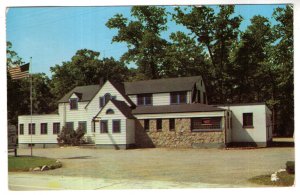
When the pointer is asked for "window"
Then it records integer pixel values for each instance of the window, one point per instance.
(104, 99)
(146, 124)
(172, 124)
(103, 127)
(73, 103)
(70, 125)
(206, 124)
(144, 99)
(158, 124)
(21, 129)
(204, 98)
(31, 129)
(107, 97)
(110, 111)
(116, 126)
(82, 124)
(44, 128)
(248, 120)
(56, 128)
(178, 97)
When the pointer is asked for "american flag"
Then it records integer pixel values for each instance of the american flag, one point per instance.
(19, 72)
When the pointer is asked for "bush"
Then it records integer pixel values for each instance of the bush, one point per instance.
(290, 167)
(71, 137)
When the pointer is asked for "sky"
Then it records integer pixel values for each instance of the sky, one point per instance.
(51, 35)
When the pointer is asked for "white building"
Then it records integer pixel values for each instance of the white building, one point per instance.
(154, 113)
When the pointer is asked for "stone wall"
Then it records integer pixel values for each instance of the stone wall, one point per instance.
(182, 137)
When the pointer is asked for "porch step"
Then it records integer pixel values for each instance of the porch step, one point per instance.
(87, 146)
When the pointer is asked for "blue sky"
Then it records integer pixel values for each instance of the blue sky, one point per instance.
(51, 35)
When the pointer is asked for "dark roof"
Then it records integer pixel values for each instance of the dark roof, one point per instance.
(86, 92)
(121, 89)
(241, 104)
(161, 85)
(175, 109)
(123, 107)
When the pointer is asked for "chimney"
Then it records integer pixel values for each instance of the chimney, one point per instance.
(101, 81)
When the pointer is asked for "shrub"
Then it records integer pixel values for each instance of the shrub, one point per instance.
(290, 167)
(70, 137)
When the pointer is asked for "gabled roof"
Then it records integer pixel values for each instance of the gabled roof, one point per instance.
(175, 109)
(121, 89)
(86, 92)
(122, 106)
(161, 85)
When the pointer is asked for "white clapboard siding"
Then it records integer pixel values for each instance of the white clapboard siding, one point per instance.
(179, 115)
(161, 99)
(93, 107)
(130, 131)
(111, 138)
(256, 134)
(38, 119)
(133, 98)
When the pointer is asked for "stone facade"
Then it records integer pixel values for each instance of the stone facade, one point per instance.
(182, 137)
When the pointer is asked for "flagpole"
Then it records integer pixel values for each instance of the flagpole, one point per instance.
(30, 75)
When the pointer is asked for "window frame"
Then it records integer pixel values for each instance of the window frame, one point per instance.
(110, 111)
(148, 125)
(101, 127)
(176, 97)
(103, 100)
(21, 129)
(56, 131)
(193, 129)
(172, 124)
(70, 123)
(113, 126)
(204, 98)
(31, 128)
(246, 120)
(159, 125)
(70, 102)
(145, 99)
(44, 128)
(85, 125)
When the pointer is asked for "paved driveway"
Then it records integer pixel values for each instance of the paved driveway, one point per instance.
(168, 167)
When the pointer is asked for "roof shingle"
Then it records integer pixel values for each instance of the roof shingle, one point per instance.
(87, 93)
(161, 85)
(175, 109)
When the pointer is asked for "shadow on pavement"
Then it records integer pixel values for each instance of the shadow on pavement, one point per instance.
(79, 157)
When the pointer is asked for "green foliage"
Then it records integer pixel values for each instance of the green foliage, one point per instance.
(290, 167)
(142, 35)
(85, 68)
(70, 136)
(218, 32)
(285, 179)
(18, 91)
(24, 163)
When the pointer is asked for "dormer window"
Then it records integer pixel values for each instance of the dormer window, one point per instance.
(104, 99)
(73, 104)
(178, 97)
(144, 99)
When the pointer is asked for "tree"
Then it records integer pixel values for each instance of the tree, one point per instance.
(71, 137)
(251, 62)
(183, 57)
(85, 68)
(218, 32)
(142, 35)
(284, 60)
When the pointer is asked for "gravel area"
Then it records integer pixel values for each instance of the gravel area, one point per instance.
(214, 166)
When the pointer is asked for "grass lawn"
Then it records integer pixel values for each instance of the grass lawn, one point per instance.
(24, 163)
(285, 179)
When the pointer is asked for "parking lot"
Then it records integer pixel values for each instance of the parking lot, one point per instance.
(210, 166)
